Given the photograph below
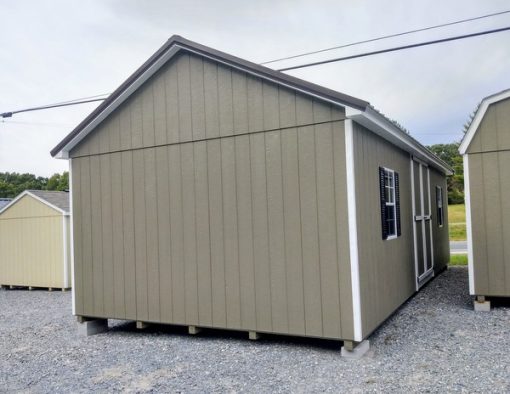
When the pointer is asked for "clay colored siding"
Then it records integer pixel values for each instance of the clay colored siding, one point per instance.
(32, 245)
(387, 271)
(192, 99)
(440, 237)
(490, 218)
(216, 200)
(489, 184)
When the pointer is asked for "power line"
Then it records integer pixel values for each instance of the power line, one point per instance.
(399, 48)
(387, 36)
(55, 105)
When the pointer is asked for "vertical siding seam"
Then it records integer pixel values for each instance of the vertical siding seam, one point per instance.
(237, 232)
(283, 217)
(317, 222)
(209, 227)
(170, 239)
(267, 229)
(195, 229)
(485, 225)
(336, 228)
(253, 234)
(183, 262)
(502, 232)
(300, 213)
(122, 229)
(111, 227)
(134, 234)
(223, 233)
(91, 238)
(157, 236)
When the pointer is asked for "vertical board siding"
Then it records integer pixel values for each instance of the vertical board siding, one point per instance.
(386, 266)
(192, 98)
(489, 160)
(240, 229)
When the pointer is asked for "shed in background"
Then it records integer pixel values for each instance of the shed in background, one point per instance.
(4, 202)
(486, 153)
(35, 240)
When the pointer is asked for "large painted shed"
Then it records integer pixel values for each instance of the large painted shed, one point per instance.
(35, 240)
(210, 191)
(486, 153)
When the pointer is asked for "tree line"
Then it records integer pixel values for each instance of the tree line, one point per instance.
(13, 183)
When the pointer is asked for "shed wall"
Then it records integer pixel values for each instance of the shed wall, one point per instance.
(489, 188)
(31, 245)
(243, 228)
(387, 273)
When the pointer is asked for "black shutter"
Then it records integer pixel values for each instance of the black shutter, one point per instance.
(384, 223)
(397, 203)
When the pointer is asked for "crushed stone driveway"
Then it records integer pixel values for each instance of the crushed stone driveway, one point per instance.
(434, 343)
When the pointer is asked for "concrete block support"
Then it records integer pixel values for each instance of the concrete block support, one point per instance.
(355, 350)
(253, 335)
(194, 330)
(482, 305)
(92, 327)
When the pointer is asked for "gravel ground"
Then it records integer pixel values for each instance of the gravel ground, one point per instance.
(434, 343)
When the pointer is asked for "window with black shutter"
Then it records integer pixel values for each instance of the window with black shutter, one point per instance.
(390, 203)
(439, 205)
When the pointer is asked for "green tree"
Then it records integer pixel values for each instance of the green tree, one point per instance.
(450, 154)
(13, 183)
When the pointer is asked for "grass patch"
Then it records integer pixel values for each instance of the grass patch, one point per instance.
(458, 259)
(457, 222)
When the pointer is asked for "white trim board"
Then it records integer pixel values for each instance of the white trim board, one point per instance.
(480, 113)
(27, 192)
(467, 196)
(353, 229)
(71, 235)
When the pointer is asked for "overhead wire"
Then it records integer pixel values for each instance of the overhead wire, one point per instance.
(398, 48)
(387, 36)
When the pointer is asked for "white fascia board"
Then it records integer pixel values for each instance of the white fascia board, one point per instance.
(353, 230)
(480, 113)
(469, 229)
(378, 124)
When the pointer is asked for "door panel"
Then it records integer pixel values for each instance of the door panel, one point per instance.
(422, 222)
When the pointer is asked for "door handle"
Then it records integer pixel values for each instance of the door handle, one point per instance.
(418, 218)
(426, 217)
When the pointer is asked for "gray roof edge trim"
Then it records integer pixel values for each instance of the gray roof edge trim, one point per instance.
(28, 192)
(163, 55)
(383, 127)
(480, 113)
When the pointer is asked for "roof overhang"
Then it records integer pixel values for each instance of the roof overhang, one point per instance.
(383, 127)
(28, 193)
(480, 113)
(357, 109)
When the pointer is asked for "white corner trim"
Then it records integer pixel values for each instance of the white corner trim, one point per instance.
(467, 196)
(353, 229)
(480, 113)
(71, 234)
(415, 236)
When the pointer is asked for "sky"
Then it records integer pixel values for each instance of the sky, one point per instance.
(52, 51)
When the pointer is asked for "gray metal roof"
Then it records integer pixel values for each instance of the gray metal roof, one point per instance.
(57, 199)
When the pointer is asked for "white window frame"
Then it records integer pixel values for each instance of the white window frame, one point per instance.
(391, 204)
(440, 189)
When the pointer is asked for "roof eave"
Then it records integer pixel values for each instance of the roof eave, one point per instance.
(383, 127)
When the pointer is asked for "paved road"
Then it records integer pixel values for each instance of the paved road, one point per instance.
(458, 247)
